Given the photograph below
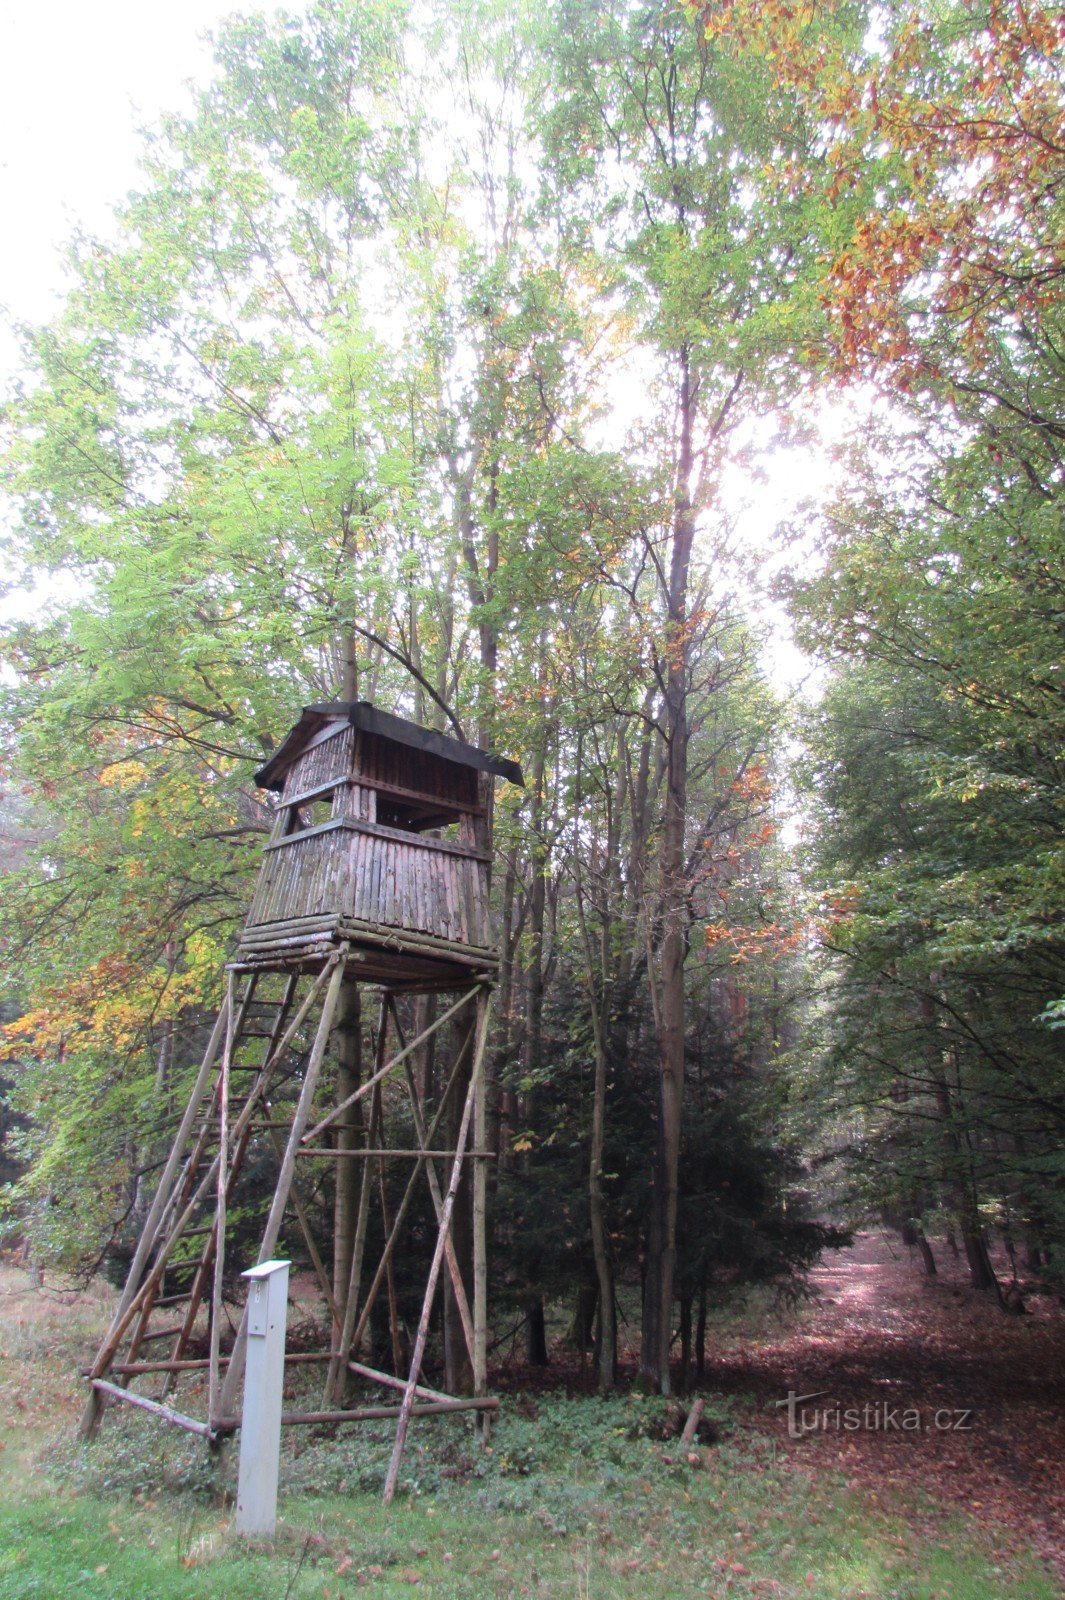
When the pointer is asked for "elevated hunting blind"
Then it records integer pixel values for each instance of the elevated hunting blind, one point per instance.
(382, 838)
(376, 873)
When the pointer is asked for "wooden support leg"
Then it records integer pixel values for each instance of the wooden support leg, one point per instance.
(90, 1417)
(220, 1204)
(479, 1352)
(336, 1378)
(408, 1194)
(350, 1135)
(228, 1396)
(438, 1256)
(458, 1287)
(390, 1279)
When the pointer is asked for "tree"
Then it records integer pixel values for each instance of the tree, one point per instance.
(938, 754)
(652, 115)
(332, 413)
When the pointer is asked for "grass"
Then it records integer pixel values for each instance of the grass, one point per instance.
(574, 1498)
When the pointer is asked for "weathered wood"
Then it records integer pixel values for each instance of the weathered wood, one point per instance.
(221, 1192)
(278, 1031)
(407, 1408)
(387, 1150)
(288, 1166)
(335, 1377)
(305, 1227)
(176, 1419)
(390, 1381)
(454, 1271)
(692, 1424)
(479, 1352)
(388, 1067)
(303, 836)
(433, 1408)
(408, 1194)
(419, 943)
(169, 1181)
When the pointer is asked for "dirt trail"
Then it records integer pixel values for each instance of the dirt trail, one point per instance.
(889, 1345)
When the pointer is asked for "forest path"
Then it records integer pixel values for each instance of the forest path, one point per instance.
(888, 1344)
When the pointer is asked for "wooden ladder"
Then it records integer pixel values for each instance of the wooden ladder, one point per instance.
(261, 1047)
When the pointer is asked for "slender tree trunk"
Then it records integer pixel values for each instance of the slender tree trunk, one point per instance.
(685, 1342)
(604, 1267)
(582, 1323)
(536, 1333)
(598, 992)
(661, 1242)
(700, 1333)
(960, 1185)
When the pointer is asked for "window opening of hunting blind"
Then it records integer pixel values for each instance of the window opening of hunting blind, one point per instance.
(379, 800)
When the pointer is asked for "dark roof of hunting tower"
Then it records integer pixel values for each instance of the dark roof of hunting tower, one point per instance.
(361, 714)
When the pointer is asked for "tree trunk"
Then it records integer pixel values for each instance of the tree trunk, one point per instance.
(960, 1182)
(685, 1343)
(700, 1333)
(981, 1272)
(579, 1332)
(536, 1333)
(604, 1267)
(661, 1241)
(598, 991)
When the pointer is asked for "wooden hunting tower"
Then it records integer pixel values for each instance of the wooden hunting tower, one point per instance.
(376, 873)
(382, 839)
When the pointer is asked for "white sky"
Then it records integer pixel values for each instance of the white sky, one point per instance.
(76, 82)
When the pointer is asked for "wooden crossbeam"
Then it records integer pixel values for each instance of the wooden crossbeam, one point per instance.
(390, 1066)
(176, 1419)
(428, 1408)
(228, 1393)
(407, 1407)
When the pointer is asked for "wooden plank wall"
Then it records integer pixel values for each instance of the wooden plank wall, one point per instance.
(322, 763)
(301, 878)
(384, 880)
(414, 886)
(394, 765)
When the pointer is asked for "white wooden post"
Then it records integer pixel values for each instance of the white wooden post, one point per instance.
(264, 1375)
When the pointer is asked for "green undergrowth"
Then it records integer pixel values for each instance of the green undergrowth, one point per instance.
(581, 1498)
(577, 1497)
